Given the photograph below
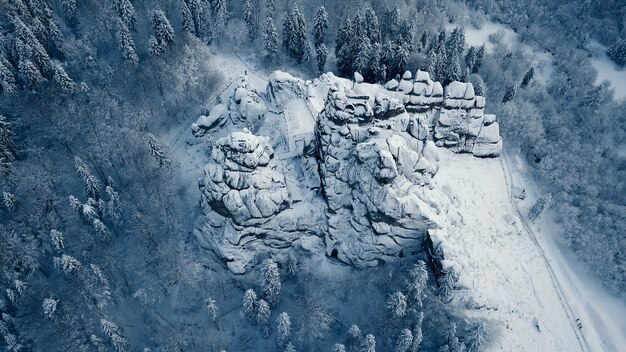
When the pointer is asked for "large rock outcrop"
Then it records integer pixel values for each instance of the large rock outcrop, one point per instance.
(333, 166)
(376, 177)
(455, 114)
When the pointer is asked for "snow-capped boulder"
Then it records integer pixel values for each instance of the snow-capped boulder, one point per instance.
(283, 87)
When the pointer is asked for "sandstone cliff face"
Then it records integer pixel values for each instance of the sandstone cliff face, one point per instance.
(353, 175)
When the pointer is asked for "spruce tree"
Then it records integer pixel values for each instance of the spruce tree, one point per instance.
(372, 25)
(62, 79)
(480, 53)
(369, 344)
(470, 58)
(397, 304)
(453, 71)
(417, 283)
(127, 13)
(30, 73)
(418, 336)
(250, 20)
(69, 7)
(7, 149)
(474, 337)
(391, 23)
(7, 77)
(284, 328)
(221, 15)
(126, 44)
(405, 341)
(617, 52)
(212, 309)
(263, 314)
(528, 77)
(320, 26)
(270, 42)
(510, 93)
(164, 33)
(321, 53)
(186, 18)
(249, 304)
(431, 64)
(91, 183)
(270, 281)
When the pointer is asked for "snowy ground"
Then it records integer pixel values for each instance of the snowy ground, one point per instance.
(608, 70)
(508, 282)
(602, 315)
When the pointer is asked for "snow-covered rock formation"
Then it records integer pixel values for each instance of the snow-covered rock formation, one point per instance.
(455, 114)
(333, 165)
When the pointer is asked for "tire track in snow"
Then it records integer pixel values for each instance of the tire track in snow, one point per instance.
(508, 176)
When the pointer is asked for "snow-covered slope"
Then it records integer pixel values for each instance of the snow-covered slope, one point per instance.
(505, 277)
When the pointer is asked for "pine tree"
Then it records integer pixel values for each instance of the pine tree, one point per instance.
(509, 94)
(397, 304)
(431, 65)
(344, 36)
(442, 64)
(69, 7)
(7, 78)
(284, 328)
(7, 148)
(157, 151)
(263, 314)
(338, 347)
(67, 264)
(447, 281)
(211, 307)
(363, 48)
(270, 281)
(528, 77)
(453, 71)
(250, 20)
(62, 79)
(480, 53)
(391, 23)
(354, 333)
(30, 73)
(57, 239)
(164, 33)
(369, 344)
(405, 341)
(49, 306)
(297, 42)
(417, 283)
(91, 183)
(540, 206)
(320, 26)
(127, 13)
(8, 199)
(321, 53)
(186, 18)
(474, 337)
(114, 333)
(470, 58)
(221, 15)
(290, 347)
(372, 25)
(417, 333)
(479, 85)
(249, 304)
(344, 48)
(270, 42)
(423, 42)
(451, 339)
(126, 44)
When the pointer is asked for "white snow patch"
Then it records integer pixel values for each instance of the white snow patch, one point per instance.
(608, 70)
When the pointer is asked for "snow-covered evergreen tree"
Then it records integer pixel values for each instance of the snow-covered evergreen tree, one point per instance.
(391, 23)
(447, 282)
(344, 48)
(475, 336)
(290, 347)
(212, 309)
(186, 18)
(157, 151)
(354, 333)
(339, 347)
(49, 306)
(221, 16)
(295, 38)
(249, 304)
(480, 53)
(270, 42)
(470, 58)
(249, 17)
(67, 264)
(7, 148)
(451, 339)
(7, 77)
(528, 77)
(263, 312)
(372, 25)
(510, 93)
(114, 333)
(617, 52)
(320, 26)
(62, 79)
(540, 206)
(126, 44)
(8, 199)
(30, 73)
(405, 341)
(369, 343)
(164, 33)
(69, 7)
(321, 54)
(91, 183)
(417, 283)
(127, 13)
(454, 72)
(397, 304)
(57, 239)
(270, 281)
(417, 333)
(284, 328)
